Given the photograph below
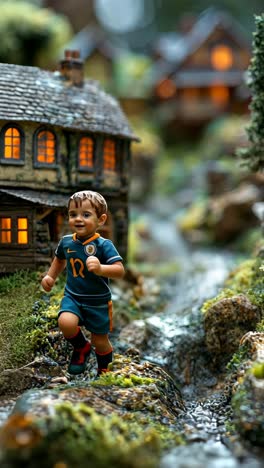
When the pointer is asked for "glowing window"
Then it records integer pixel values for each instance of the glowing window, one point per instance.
(222, 57)
(5, 230)
(46, 147)
(12, 143)
(109, 155)
(22, 230)
(190, 94)
(86, 150)
(219, 95)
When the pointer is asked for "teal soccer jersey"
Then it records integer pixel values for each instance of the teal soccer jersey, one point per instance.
(81, 283)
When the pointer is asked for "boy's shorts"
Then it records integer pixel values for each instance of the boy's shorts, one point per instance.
(95, 318)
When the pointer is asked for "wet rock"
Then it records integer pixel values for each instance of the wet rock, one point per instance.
(248, 399)
(225, 323)
(223, 217)
(134, 334)
(203, 455)
(255, 344)
(34, 374)
(248, 404)
(231, 213)
(123, 419)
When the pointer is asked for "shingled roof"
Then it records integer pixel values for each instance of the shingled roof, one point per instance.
(29, 94)
(50, 199)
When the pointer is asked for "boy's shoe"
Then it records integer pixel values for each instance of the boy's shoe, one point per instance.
(79, 359)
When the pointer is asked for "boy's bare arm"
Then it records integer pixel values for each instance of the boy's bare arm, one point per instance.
(114, 271)
(55, 269)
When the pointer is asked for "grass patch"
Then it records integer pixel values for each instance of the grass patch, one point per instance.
(27, 314)
(18, 293)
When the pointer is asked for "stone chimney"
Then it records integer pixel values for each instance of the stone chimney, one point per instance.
(71, 68)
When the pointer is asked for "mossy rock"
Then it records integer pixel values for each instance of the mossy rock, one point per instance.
(122, 420)
(248, 407)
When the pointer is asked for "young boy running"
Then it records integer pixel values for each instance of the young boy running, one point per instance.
(90, 261)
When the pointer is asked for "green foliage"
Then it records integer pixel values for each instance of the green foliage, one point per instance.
(260, 326)
(174, 168)
(31, 35)
(253, 156)
(122, 380)
(238, 358)
(77, 436)
(240, 281)
(27, 315)
(256, 289)
(18, 293)
(258, 370)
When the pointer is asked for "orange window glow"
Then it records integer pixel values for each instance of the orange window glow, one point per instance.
(190, 94)
(219, 95)
(12, 144)
(22, 230)
(222, 57)
(109, 155)
(86, 148)
(5, 230)
(46, 147)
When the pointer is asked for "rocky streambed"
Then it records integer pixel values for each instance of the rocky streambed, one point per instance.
(168, 401)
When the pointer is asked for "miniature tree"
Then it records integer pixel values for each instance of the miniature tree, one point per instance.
(31, 35)
(253, 155)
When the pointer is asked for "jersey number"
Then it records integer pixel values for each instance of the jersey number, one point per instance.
(77, 264)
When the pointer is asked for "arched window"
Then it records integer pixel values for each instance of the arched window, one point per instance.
(45, 147)
(109, 155)
(12, 145)
(86, 153)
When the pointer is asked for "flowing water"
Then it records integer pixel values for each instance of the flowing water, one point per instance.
(202, 275)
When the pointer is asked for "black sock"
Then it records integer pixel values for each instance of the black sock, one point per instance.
(78, 341)
(103, 360)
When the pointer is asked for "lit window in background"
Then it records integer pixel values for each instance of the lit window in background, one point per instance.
(219, 95)
(12, 143)
(5, 230)
(109, 155)
(22, 230)
(46, 147)
(86, 147)
(222, 57)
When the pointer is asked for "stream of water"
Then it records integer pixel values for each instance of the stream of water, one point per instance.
(202, 275)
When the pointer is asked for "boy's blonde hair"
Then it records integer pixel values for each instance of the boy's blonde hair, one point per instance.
(96, 199)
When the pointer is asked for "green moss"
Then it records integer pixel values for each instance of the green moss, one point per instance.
(194, 217)
(260, 326)
(77, 436)
(248, 412)
(122, 380)
(245, 279)
(258, 370)
(26, 317)
(18, 293)
(238, 358)
(256, 289)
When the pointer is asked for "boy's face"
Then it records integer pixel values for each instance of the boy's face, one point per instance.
(83, 219)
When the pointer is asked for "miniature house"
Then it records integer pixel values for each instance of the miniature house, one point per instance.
(199, 71)
(98, 52)
(59, 134)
